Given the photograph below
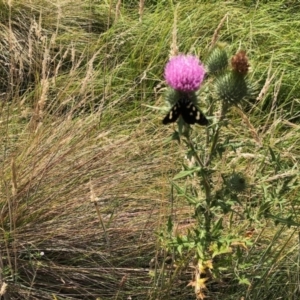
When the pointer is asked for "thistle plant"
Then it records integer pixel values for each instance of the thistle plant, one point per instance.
(228, 86)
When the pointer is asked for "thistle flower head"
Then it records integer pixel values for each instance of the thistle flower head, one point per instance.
(184, 73)
(239, 63)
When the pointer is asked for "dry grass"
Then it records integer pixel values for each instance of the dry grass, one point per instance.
(55, 240)
(48, 207)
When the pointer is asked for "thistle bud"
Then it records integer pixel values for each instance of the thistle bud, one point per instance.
(231, 87)
(217, 61)
(237, 182)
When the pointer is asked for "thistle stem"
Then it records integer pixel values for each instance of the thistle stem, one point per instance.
(215, 139)
(205, 181)
(201, 164)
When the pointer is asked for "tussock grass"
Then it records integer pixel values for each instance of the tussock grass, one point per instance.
(84, 163)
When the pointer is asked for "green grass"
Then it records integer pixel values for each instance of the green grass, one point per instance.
(85, 167)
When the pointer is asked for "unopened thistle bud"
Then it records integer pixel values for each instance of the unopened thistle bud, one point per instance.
(231, 87)
(237, 183)
(217, 61)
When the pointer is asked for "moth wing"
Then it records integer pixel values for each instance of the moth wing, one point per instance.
(173, 114)
(201, 119)
(191, 115)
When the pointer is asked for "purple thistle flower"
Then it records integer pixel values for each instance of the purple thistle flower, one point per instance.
(184, 73)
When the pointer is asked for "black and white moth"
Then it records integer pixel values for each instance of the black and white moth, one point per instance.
(188, 111)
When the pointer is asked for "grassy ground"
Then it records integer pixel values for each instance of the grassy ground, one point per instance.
(85, 166)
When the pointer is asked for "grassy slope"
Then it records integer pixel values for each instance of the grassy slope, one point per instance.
(75, 128)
